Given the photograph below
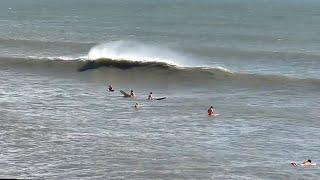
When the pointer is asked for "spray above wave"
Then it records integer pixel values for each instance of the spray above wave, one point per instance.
(130, 54)
(136, 51)
(144, 60)
(59, 58)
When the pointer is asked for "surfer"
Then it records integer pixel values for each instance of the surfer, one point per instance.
(150, 96)
(305, 163)
(132, 94)
(211, 111)
(110, 88)
(137, 106)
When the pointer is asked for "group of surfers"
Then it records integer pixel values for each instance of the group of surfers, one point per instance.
(150, 97)
(210, 111)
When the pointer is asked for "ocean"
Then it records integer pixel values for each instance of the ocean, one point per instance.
(257, 62)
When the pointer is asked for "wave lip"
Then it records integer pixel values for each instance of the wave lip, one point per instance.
(134, 51)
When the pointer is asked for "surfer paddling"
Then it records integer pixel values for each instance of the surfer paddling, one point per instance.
(211, 112)
(307, 163)
(304, 163)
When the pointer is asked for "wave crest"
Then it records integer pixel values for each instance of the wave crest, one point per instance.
(136, 51)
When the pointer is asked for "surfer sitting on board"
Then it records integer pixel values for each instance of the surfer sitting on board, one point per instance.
(110, 88)
(211, 111)
(150, 96)
(305, 163)
(132, 94)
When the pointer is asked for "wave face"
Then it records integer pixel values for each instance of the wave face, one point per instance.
(146, 61)
(136, 51)
(161, 71)
(124, 64)
(196, 74)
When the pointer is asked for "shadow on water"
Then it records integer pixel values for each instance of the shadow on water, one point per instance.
(123, 64)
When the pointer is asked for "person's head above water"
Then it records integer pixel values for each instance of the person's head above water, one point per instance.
(309, 160)
(211, 106)
(150, 92)
(131, 91)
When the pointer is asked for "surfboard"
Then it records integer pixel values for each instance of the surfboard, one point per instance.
(160, 98)
(214, 115)
(125, 94)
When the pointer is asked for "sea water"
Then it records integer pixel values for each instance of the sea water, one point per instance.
(257, 62)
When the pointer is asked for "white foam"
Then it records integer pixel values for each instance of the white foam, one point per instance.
(218, 67)
(135, 51)
(63, 58)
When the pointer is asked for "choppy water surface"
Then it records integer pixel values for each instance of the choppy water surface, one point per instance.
(252, 61)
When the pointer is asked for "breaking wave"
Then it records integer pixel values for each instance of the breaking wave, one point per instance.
(159, 70)
(149, 61)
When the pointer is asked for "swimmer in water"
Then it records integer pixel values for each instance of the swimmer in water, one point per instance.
(137, 106)
(110, 88)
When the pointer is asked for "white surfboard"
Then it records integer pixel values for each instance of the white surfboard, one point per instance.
(214, 115)
(125, 94)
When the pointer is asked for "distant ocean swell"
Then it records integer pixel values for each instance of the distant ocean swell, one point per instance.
(128, 48)
(161, 69)
(26, 42)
